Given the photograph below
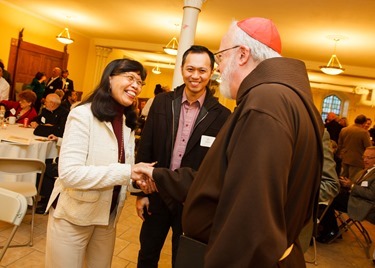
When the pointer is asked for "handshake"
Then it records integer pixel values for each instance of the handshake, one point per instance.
(141, 174)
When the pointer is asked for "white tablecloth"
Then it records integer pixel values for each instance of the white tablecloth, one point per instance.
(36, 149)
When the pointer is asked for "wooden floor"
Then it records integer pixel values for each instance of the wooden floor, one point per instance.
(340, 254)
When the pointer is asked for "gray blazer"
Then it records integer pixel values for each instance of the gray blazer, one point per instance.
(361, 205)
(329, 184)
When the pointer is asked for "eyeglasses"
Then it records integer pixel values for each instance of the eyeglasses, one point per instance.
(368, 157)
(132, 79)
(218, 54)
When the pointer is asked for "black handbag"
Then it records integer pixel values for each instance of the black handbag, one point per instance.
(190, 253)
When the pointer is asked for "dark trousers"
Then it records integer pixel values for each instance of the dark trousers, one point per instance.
(154, 231)
(49, 179)
(329, 222)
(338, 164)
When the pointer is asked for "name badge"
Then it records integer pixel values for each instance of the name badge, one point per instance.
(43, 120)
(364, 184)
(207, 141)
(13, 111)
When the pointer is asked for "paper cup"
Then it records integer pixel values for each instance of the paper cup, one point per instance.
(11, 120)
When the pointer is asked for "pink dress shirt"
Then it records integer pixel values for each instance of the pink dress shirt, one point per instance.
(188, 115)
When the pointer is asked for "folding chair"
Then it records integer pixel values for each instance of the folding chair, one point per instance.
(13, 209)
(326, 205)
(346, 224)
(22, 166)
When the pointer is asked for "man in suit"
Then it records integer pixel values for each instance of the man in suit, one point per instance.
(353, 141)
(68, 84)
(54, 82)
(52, 119)
(357, 198)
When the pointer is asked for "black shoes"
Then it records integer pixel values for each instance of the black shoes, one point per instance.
(326, 239)
(41, 208)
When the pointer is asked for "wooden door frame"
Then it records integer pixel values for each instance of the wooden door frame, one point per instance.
(23, 71)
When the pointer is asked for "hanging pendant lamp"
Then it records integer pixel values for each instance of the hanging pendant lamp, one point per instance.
(156, 70)
(172, 47)
(334, 66)
(64, 37)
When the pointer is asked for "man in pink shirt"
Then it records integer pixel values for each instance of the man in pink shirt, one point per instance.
(179, 130)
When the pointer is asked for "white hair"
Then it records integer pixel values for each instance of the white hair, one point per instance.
(54, 98)
(226, 77)
(259, 51)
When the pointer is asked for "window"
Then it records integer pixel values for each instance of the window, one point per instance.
(331, 103)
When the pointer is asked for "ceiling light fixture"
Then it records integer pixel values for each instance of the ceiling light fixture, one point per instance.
(156, 70)
(172, 47)
(64, 37)
(334, 66)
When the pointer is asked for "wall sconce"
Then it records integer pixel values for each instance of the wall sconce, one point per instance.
(156, 70)
(334, 66)
(172, 47)
(64, 37)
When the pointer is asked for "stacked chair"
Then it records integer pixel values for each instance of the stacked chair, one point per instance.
(17, 168)
(13, 209)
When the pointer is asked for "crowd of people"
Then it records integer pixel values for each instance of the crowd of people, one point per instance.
(31, 102)
(58, 83)
(44, 106)
(209, 175)
(355, 155)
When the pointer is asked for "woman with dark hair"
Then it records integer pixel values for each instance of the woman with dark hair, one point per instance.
(23, 108)
(95, 168)
(38, 86)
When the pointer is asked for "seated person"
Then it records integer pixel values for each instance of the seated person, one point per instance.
(60, 93)
(52, 118)
(23, 108)
(50, 176)
(357, 199)
(70, 97)
(329, 185)
(329, 188)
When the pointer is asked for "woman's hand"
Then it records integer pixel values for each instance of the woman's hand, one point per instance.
(142, 171)
(142, 174)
